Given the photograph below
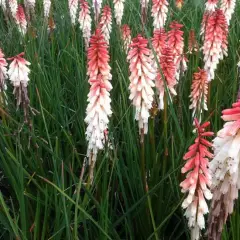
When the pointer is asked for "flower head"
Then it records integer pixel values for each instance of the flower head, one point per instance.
(3, 5)
(126, 37)
(211, 5)
(118, 10)
(144, 10)
(85, 21)
(227, 7)
(176, 43)
(215, 41)
(106, 23)
(73, 7)
(46, 7)
(159, 13)
(3, 72)
(192, 42)
(99, 108)
(13, 5)
(199, 92)
(18, 74)
(225, 170)
(179, 4)
(30, 6)
(21, 20)
(141, 81)
(198, 180)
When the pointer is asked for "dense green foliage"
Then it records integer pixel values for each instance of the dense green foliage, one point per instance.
(42, 196)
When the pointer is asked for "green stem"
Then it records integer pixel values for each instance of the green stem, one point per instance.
(165, 136)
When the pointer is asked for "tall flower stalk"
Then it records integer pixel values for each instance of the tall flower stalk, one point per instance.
(21, 20)
(126, 37)
(13, 5)
(198, 180)
(118, 10)
(228, 6)
(3, 76)
(99, 108)
(106, 23)
(97, 5)
(18, 74)
(159, 13)
(46, 8)
(141, 81)
(30, 7)
(85, 21)
(199, 92)
(215, 41)
(225, 170)
(73, 7)
(144, 11)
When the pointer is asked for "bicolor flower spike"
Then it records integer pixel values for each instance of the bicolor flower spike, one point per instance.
(225, 170)
(18, 74)
(13, 5)
(21, 20)
(118, 10)
(97, 5)
(3, 72)
(215, 41)
(106, 23)
(198, 180)
(199, 92)
(141, 81)
(3, 5)
(99, 108)
(159, 13)
(73, 7)
(126, 37)
(228, 6)
(176, 43)
(85, 21)
(46, 7)
(211, 5)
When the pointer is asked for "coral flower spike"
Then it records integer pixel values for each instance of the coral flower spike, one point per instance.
(141, 81)
(198, 180)
(211, 5)
(215, 41)
(106, 23)
(199, 92)
(21, 20)
(225, 170)
(159, 13)
(126, 37)
(85, 21)
(99, 108)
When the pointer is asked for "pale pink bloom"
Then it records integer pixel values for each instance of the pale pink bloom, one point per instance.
(46, 7)
(142, 77)
(73, 7)
(126, 37)
(176, 43)
(18, 74)
(199, 92)
(228, 7)
(215, 41)
(211, 5)
(30, 6)
(159, 13)
(198, 180)
(99, 108)
(225, 170)
(3, 72)
(106, 23)
(21, 20)
(97, 5)
(13, 5)
(85, 21)
(118, 10)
